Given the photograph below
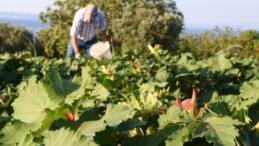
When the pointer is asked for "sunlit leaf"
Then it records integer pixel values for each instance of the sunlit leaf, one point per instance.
(32, 104)
(17, 132)
(89, 128)
(219, 62)
(65, 137)
(101, 92)
(115, 114)
(250, 90)
(162, 74)
(175, 115)
(220, 131)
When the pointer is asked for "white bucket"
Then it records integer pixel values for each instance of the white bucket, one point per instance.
(101, 50)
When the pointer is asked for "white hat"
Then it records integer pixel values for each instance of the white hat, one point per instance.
(101, 50)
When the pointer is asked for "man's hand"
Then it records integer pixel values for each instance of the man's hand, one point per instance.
(78, 55)
(104, 36)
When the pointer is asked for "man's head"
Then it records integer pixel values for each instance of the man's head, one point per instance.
(91, 13)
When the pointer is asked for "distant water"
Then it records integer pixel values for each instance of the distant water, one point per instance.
(32, 25)
(195, 30)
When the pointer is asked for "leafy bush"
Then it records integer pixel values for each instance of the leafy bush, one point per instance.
(14, 38)
(204, 45)
(140, 26)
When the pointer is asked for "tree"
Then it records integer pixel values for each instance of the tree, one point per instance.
(140, 26)
(15, 38)
(250, 41)
(206, 44)
(165, 25)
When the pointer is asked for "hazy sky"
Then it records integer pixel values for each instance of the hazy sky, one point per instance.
(243, 14)
(25, 6)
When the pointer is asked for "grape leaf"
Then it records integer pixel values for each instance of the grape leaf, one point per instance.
(101, 92)
(65, 137)
(162, 74)
(220, 131)
(53, 83)
(177, 137)
(17, 132)
(32, 103)
(219, 62)
(174, 115)
(89, 128)
(86, 82)
(250, 90)
(116, 114)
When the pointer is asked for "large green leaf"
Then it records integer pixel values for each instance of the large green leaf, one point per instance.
(250, 90)
(59, 89)
(237, 102)
(54, 85)
(178, 137)
(32, 104)
(89, 128)
(175, 115)
(65, 137)
(219, 108)
(133, 101)
(162, 74)
(17, 132)
(116, 114)
(231, 106)
(149, 100)
(183, 120)
(101, 92)
(50, 118)
(150, 86)
(70, 87)
(86, 81)
(187, 64)
(208, 95)
(27, 141)
(220, 131)
(219, 62)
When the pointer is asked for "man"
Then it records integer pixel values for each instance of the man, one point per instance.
(86, 22)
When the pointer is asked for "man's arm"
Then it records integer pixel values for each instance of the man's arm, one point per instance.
(104, 35)
(103, 26)
(75, 46)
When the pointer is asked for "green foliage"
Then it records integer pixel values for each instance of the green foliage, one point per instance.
(130, 100)
(15, 38)
(204, 45)
(37, 108)
(22, 133)
(140, 26)
(220, 131)
(129, 24)
(46, 38)
(66, 137)
(249, 40)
